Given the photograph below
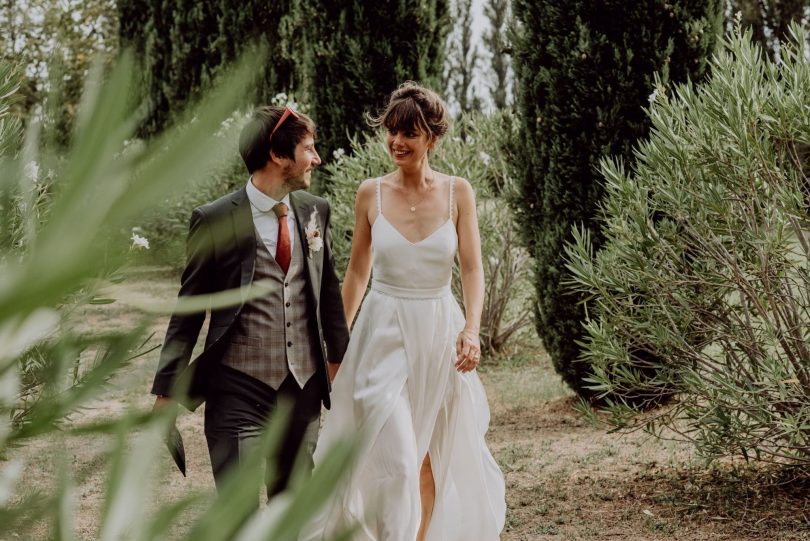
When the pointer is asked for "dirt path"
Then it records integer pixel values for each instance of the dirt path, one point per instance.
(570, 480)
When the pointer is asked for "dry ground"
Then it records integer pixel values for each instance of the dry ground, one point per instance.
(567, 479)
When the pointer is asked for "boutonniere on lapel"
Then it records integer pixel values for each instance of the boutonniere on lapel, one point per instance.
(314, 237)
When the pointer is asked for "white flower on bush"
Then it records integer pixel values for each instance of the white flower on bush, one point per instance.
(31, 171)
(654, 95)
(338, 154)
(131, 147)
(224, 127)
(139, 242)
(279, 99)
(236, 119)
(486, 158)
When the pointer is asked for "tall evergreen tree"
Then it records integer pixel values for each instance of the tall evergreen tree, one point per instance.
(363, 51)
(184, 44)
(462, 59)
(585, 69)
(497, 14)
(133, 16)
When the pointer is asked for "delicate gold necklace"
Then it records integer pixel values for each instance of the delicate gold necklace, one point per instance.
(413, 206)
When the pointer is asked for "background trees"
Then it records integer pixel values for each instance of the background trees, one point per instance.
(498, 14)
(585, 72)
(185, 44)
(463, 58)
(53, 45)
(362, 52)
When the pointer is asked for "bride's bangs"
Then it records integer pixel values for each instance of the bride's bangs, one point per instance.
(405, 116)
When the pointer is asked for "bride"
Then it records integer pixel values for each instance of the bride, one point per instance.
(408, 382)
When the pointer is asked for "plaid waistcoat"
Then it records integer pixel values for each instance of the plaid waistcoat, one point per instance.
(272, 335)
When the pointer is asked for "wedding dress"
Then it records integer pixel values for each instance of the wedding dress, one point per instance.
(398, 389)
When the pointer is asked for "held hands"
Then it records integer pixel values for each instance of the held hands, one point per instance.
(166, 404)
(331, 370)
(161, 402)
(468, 351)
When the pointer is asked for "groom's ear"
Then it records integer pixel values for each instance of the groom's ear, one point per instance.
(275, 158)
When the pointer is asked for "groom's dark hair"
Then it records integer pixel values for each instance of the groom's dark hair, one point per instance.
(255, 143)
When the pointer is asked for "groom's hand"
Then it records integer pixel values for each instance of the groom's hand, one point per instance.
(162, 402)
(332, 369)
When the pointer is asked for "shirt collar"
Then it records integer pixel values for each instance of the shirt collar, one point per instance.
(261, 201)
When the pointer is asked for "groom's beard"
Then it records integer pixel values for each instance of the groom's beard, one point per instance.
(296, 178)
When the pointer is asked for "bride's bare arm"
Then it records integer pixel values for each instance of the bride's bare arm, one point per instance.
(468, 345)
(359, 269)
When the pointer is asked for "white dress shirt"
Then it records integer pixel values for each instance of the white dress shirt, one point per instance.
(265, 219)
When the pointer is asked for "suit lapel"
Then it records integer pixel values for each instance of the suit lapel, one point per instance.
(303, 212)
(244, 232)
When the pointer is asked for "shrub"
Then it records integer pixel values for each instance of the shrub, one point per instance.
(507, 299)
(705, 262)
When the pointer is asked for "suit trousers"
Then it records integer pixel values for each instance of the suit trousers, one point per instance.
(239, 406)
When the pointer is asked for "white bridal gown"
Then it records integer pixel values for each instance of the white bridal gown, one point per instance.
(399, 388)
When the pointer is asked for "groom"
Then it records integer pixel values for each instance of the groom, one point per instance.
(284, 344)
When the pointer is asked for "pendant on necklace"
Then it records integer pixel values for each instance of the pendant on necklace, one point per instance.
(413, 209)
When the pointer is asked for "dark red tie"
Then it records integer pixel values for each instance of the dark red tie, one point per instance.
(283, 252)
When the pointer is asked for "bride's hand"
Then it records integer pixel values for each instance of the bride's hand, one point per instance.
(468, 351)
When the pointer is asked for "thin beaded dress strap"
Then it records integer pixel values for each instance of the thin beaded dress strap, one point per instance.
(450, 202)
(379, 197)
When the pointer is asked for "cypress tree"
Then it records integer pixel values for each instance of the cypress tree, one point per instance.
(585, 70)
(497, 13)
(184, 45)
(462, 59)
(363, 51)
(133, 16)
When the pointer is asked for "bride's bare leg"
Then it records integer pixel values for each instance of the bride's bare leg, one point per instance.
(427, 489)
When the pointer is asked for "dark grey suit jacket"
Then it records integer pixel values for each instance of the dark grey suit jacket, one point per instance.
(220, 255)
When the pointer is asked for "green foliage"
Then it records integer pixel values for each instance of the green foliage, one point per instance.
(585, 70)
(363, 51)
(100, 187)
(10, 125)
(507, 298)
(186, 44)
(705, 261)
(463, 57)
(55, 44)
(498, 14)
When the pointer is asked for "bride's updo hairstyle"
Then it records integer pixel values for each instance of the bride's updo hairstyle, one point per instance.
(412, 107)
